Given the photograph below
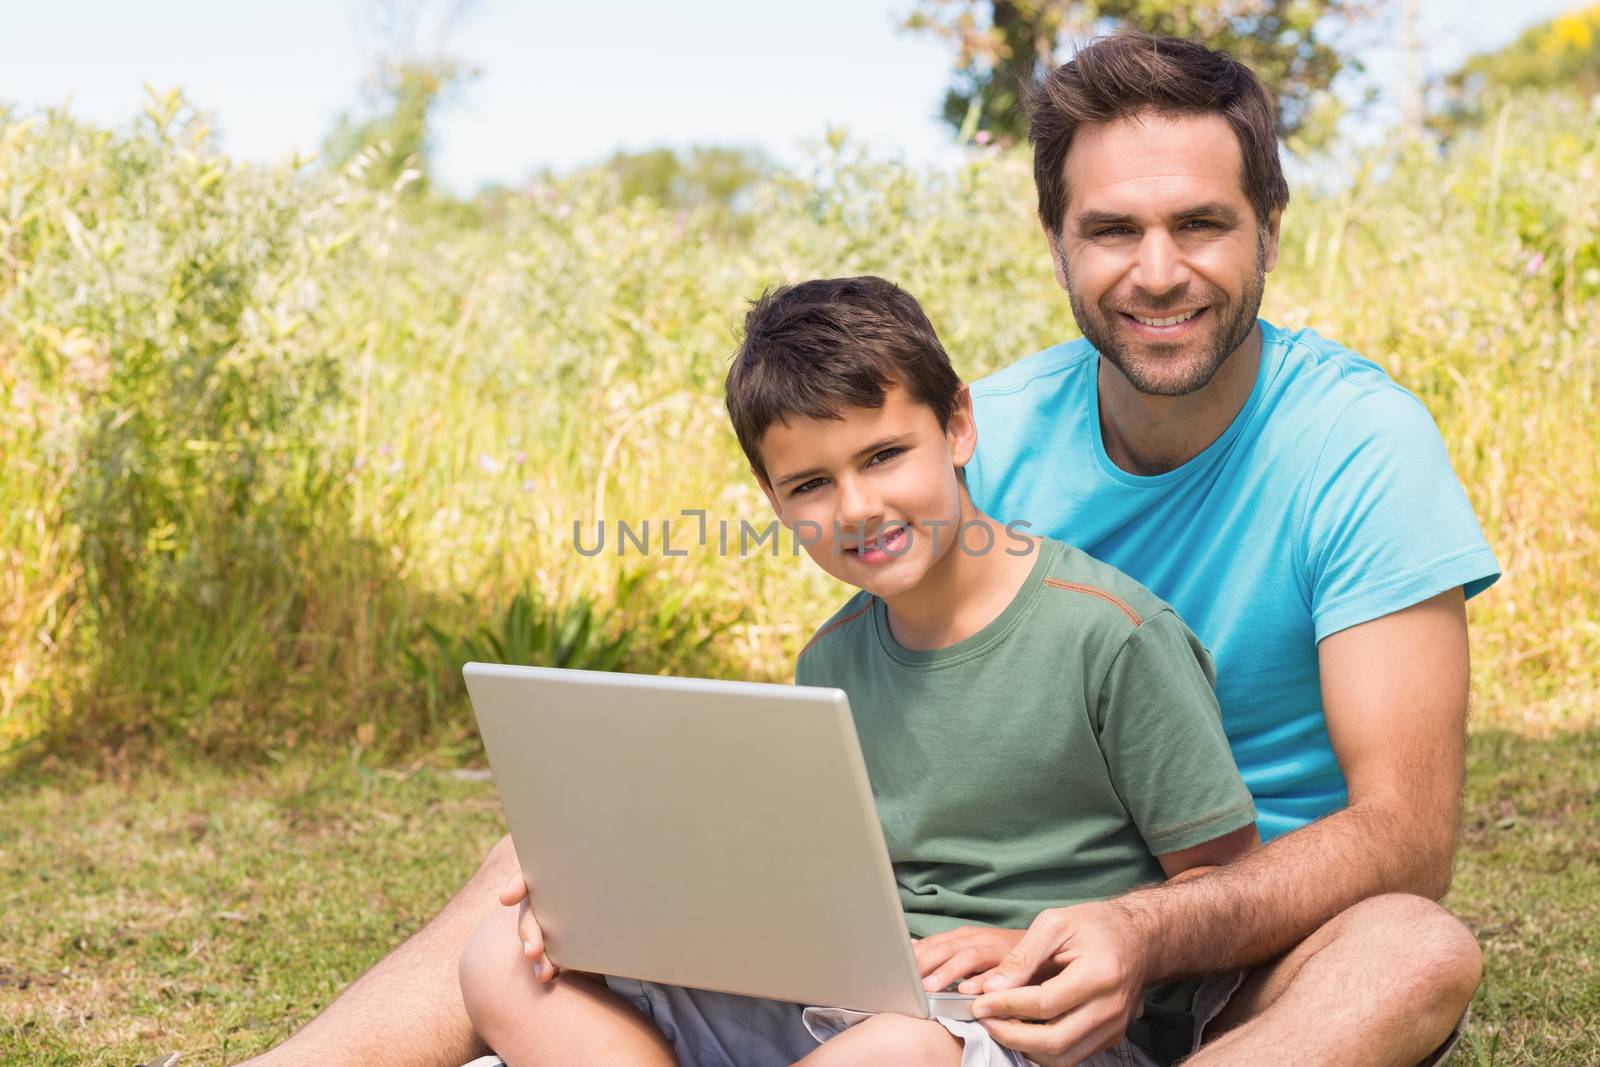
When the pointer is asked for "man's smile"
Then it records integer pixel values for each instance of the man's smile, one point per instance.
(1165, 327)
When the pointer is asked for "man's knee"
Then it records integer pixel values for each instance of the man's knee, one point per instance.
(501, 862)
(1436, 959)
(444, 936)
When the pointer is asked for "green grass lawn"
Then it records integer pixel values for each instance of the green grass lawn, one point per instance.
(213, 912)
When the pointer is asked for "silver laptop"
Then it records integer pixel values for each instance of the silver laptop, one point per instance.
(719, 835)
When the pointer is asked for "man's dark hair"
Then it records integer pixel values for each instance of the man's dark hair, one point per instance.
(813, 349)
(1121, 76)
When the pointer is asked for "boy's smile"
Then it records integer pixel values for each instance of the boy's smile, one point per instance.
(887, 545)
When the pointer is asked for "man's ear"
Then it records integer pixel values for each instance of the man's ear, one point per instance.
(1270, 252)
(1058, 258)
(772, 498)
(961, 432)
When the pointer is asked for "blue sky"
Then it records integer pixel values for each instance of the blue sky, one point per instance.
(561, 83)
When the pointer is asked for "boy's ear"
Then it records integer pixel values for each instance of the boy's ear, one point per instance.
(962, 430)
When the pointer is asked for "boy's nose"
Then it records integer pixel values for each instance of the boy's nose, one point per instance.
(859, 510)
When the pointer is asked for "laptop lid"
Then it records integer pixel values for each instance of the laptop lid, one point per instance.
(719, 835)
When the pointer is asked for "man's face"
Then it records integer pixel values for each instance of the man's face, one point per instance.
(1160, 251)
(841, 485)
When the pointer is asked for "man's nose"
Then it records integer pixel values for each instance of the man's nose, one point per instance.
(1160, 267)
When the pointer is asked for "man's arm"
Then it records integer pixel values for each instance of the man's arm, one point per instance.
(1395, 695)
(953, 955)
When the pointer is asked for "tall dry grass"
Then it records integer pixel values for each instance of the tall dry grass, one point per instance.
(266, 423)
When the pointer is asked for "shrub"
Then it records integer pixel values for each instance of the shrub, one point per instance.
(268, 424)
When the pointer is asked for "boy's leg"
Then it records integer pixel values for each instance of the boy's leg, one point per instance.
(573, 1020)
(897, 1039)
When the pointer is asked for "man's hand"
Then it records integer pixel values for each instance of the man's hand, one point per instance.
(967, 952)
(515, 894)
(1091, 957)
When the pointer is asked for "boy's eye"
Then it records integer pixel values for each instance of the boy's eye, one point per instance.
(878, 457)
(885, 455)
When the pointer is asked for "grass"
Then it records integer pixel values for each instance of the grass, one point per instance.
(214, 912)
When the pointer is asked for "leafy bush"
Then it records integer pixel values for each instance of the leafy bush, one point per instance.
(575, 635)
(270, 424)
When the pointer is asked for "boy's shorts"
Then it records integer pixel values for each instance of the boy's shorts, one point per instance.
(708, 1029)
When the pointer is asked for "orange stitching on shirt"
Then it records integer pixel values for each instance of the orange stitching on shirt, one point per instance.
(1133, 616)
(833, 626)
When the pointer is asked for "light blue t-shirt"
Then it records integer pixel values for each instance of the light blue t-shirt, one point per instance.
(1329, 501)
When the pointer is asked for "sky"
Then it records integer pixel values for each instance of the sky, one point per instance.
(560, 84)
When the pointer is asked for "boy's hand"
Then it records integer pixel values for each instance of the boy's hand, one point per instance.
(515, 894)
(966, 952)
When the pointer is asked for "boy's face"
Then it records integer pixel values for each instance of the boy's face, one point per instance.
(883, 478)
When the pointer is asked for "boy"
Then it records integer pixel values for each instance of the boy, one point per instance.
(1038, 729)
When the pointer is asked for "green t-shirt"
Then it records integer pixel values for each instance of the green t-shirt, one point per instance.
(1045, 760)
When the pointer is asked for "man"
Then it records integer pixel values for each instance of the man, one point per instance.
(1298, 510)
(1295, 506)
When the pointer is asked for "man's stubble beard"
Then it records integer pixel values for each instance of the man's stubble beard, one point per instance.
(1195, 374)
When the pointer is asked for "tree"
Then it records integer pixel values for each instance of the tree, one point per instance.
(1003, 46)
(403, 96)
(701, 176)
(1562, 53)
(397, 134)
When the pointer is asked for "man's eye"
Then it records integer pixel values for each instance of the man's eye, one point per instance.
(885, 455)
(1113, 231)
(1200, 224)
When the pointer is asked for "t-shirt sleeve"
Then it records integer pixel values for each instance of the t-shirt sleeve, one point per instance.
(1161, 733)
(805, 669)
(1387, 524)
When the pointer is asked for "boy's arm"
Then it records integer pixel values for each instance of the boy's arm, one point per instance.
(1160, 733)
(1192, 862)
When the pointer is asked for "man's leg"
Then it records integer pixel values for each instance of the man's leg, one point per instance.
(407, 1010)
(1382, 984)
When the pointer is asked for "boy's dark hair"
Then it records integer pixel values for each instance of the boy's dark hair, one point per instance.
(1120, 76)
(813, 349)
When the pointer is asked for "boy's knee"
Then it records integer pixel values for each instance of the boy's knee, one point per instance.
(902, 1040)
(491, 969)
